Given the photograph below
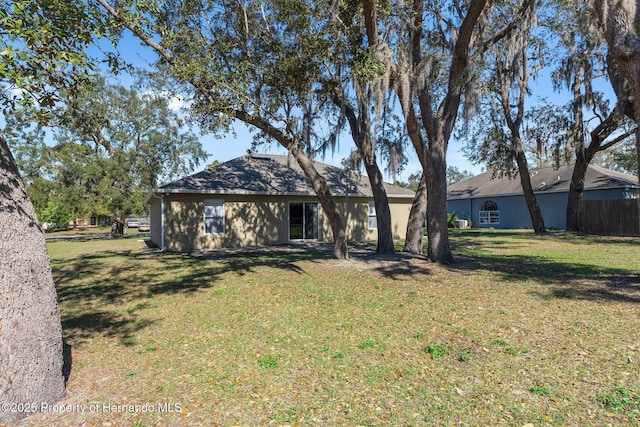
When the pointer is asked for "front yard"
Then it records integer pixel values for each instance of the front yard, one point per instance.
(522, 330)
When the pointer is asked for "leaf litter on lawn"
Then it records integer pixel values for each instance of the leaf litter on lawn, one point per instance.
(193, 331)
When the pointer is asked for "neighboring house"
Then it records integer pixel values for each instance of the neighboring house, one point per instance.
(258, 200)
(487, 201)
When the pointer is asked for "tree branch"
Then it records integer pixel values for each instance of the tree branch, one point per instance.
(619, 138)
(504, 31)
(459, 67)
(370, 22)
(338, 99)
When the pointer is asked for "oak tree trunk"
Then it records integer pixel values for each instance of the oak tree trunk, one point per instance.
(318, 182)
(576, 187)
(584, 155)
(361, 132)
(381, 201)
(327, 201)
(621, 24)
(438, 249)
(537, 222)
(117, 226)
(415, 230)
(360, 126)
(30, 331)
(576, 190)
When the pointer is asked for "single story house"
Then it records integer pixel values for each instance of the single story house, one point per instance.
(488, 201)
(259, 200)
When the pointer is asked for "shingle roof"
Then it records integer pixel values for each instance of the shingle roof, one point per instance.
(274, 175)
(543, 180)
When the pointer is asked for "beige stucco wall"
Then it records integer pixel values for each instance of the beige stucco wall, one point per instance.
(258, 220)
(355, 212)
(155, 219)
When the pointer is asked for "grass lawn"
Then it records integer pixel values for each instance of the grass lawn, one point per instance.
(521, 330)
(88, 230)
(80, 230)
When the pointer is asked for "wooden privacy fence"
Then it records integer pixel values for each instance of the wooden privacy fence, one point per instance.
(611, 217)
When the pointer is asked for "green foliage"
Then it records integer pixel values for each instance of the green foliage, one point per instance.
(412, 182)
(451, 219)
(268, 362)
(621, 399)
(622, 157)
(436, 350)
(540, 390)
(455, 175)
(367, 68)
(55, 213)
(114, 146)
(42, 50)
(512, 350)
(367, 344)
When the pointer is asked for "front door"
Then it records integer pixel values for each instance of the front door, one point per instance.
(304, 221)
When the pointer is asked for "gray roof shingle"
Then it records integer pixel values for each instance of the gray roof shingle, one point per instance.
(543, 180)
(274, 175)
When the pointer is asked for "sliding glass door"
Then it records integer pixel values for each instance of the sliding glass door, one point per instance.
(304, 221)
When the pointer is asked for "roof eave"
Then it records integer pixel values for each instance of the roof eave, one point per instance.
(538, 192)
(167, 191)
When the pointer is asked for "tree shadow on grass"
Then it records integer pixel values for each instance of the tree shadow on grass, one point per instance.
(519, 238)
(81, 327)
(102, 293)
(564, 280)
(474, 250)
(397, 266)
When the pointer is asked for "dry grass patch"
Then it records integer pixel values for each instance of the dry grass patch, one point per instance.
(520, 330)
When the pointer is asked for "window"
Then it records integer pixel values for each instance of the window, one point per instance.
(214, 216)
(489, 213)
(304, 221)
(373, 220)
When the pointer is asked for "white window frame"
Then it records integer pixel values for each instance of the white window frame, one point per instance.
(489, 217)
(372, 217)
(214, 208)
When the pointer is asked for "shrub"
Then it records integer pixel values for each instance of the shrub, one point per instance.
(451, 219)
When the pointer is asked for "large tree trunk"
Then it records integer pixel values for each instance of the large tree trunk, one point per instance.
(117, 226)
(326, 200)
(415, 230)
(30, 332)
(576, 190)
(360, 126)
(438, 248)
(620, 21)
(438, 125)
(584, 156)
(366, 145)
(537, 222)
(383, 213)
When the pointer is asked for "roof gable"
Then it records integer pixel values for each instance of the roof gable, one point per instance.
(543, 180)
(274, 175)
